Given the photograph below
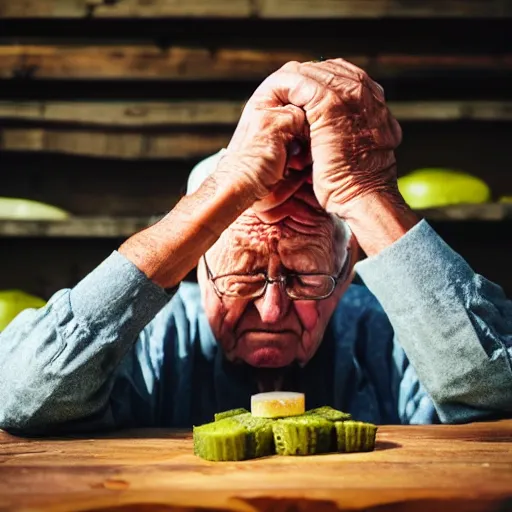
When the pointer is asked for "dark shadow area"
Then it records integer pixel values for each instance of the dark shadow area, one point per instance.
(471, 36)
(386, 445)
(412, 85)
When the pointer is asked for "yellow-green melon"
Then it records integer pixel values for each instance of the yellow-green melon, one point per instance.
(435, 187)
(13, 302)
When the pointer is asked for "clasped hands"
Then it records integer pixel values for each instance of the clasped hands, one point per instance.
(328, 117)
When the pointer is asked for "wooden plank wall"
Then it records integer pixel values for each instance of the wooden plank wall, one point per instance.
(106, 105)
(254, 8)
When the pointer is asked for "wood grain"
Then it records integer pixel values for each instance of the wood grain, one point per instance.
(147, 114)
(450, 110)
(112, 145)
(126, 114)
(147, 61)
(78, 227)
(125, 8)
(442, 468)
(144, 61)
(470, 212)
(248, 8)
(382, 8)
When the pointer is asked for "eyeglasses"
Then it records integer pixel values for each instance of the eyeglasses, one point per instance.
(314, 286)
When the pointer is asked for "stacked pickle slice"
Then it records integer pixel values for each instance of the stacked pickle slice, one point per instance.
(239, 435)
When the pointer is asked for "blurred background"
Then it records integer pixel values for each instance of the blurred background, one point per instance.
(105, 106)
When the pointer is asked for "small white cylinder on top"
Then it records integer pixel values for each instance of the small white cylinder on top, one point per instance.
(278, 404)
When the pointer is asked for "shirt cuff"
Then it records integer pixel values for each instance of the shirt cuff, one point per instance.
(117, 292)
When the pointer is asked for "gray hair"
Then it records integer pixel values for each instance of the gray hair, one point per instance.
(202, 170)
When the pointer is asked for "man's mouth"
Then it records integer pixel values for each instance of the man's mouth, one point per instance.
(270, 349)
(267, 332)
(269, 356)
(276, 339)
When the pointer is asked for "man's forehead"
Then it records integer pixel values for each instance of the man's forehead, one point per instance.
(249, 243)
(249, 229)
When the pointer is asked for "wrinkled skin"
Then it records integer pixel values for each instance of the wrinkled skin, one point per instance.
(259, 153)
(350, 132)
(274, 331)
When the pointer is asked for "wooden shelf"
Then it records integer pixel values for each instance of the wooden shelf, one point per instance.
(79, 227)
(150, 62)
(112, 145)
(450, 110)
(108, 227)
(148, 130)
(124, 114)
(249, 8)
(470, 212)
(146, 114)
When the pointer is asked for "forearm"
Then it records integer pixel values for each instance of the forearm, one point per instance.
(57, 364)
(453, 324)
(169, 249)
(378, 220)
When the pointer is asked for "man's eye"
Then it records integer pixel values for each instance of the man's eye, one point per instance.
(240, 285)
(313, 281)
(311, 285)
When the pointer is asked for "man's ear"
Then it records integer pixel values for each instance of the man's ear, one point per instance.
(355, 250)
(354, 254)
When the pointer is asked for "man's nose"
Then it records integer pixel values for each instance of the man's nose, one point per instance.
(273, 304)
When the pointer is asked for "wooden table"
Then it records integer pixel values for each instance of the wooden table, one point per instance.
(421, 468)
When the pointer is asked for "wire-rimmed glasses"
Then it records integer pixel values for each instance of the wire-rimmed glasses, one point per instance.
(310, 286)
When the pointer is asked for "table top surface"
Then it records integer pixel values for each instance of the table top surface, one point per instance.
(434, 467)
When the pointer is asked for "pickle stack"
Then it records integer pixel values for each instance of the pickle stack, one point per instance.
(240, 435)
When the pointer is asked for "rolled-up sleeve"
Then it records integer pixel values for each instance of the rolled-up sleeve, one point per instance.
(454, 325)
(57, 363)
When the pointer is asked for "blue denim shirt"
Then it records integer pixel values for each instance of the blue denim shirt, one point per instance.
(117, 351)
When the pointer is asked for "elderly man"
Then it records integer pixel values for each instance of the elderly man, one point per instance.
(276, 239)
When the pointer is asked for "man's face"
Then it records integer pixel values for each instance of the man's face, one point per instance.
(273, 331)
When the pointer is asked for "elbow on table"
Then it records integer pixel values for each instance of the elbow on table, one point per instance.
(25, 411)
(477, 400)
(458, 413)
(37, 403)
(54, 407)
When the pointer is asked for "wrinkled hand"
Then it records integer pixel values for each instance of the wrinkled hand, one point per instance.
(353, 135)
(259, 152)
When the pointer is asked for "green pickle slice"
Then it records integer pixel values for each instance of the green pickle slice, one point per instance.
(220, 440)
(260, 440)
(355, 436)
(330, 414)
(228, 414)
(302, 435)
(239, 437)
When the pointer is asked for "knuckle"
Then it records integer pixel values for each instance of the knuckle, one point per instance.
(332, 98)
(363, 75)
(289, 66)
(320, 72)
